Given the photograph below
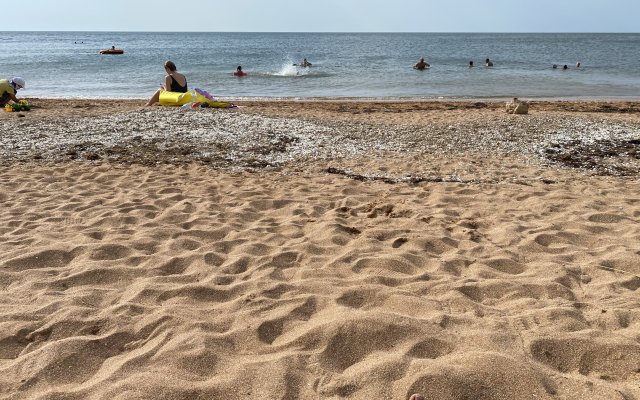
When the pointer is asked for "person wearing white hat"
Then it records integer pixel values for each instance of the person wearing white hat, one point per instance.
(8, 90)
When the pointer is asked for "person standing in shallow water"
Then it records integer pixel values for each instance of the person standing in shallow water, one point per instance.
(488, 63)
(239, 72)
(421, 65)
(173, 82)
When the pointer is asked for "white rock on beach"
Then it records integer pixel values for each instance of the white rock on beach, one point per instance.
(517, 107)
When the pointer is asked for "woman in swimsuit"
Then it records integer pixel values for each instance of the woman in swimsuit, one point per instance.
(173, 82)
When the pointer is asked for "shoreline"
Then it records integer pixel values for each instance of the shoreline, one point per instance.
(385, 99)
(49, 106)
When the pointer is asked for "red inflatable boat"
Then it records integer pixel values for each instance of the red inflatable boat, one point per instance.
(112, 51)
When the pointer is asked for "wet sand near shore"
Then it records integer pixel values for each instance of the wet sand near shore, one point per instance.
(47, 108)
(320, 250)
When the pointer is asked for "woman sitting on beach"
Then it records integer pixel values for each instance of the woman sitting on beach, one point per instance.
(173, 82)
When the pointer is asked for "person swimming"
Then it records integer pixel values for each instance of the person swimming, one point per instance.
(488, 63)
(470, 64)
(421, 65)
(305, 64)
(565, 67)
(239, 72)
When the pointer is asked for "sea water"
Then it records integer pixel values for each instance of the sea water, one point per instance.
(345, 65)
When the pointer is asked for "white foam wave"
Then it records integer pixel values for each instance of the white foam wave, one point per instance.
(288, 69)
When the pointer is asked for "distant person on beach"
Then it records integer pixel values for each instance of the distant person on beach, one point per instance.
(470, 64)
(239, 72)
(9, 89)
(578, 65)
(421, 65)
(173, 82)
(488, 63)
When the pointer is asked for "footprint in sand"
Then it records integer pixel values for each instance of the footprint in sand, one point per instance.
(431, 348)
(611, 358)
(399, 242)
(356, 298)
(110, 252)
(42, 260)
(606, 218)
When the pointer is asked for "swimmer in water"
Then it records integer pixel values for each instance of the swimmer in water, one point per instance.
(421, 65)
(470, 64)
(239, 72)
(305, 64)
(488, 63)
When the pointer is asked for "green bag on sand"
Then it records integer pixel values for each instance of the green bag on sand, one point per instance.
(21, 107)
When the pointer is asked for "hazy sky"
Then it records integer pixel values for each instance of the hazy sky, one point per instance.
(329, 15)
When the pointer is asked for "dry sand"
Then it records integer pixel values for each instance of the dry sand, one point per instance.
(321, 250)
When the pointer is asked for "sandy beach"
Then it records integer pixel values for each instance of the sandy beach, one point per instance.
(320, 250)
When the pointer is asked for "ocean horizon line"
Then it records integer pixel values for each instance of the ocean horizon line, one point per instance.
(342, 32)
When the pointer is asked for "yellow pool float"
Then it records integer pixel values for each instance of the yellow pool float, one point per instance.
(177, 99)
